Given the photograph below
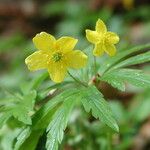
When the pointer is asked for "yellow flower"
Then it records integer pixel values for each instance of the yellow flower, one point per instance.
(103, 39)
(55, 55)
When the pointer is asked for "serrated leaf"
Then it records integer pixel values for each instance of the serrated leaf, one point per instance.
(141, 58)
(122, 55)
(133, 76)
(25, 133)
(58, 124)
(39, 119)
(42, 118)
(93, 100)
(29, 140)
(116, 83)
(20, 107)
(42, 94)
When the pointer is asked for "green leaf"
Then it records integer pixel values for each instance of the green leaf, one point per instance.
(20, 108)
(58, 124)
(133, 76)
(122, 55)
(7, 137)
(43, 93)
(25, 133)
(28, 139)
(4, 118)
(116, 83)
(93, 100)
(141, 58)
(40, 119)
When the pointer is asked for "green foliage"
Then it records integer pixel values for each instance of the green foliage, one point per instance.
(25, 137)
(27, 87)
(93, 100)
(118, 111)
(19, 107)
(43, 117)
(58, 124)
(37, 120)
(22, 137)
(138, 59)
(120, 56)
(118, 77)
(54, 115)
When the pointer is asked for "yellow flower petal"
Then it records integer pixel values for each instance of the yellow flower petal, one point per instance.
(44, 41)
(76, 59)
(57, 71)
(66, 44)
(99, 49)
(100, 26)
(112, 37)
(38, 60)
(93, 36)
(110, 49)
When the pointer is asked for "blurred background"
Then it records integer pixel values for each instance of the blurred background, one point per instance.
(20, 20)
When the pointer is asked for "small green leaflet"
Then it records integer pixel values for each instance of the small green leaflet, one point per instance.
(25, 133)
(58, 124)
(116, 83)
(133, 76)
(28, 139)
(122, 55)
(20, 107)
(93, 100)
(141, 58)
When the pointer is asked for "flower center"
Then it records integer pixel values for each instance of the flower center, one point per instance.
(57, 57)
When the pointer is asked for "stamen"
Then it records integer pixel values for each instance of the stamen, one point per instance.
(57, 57)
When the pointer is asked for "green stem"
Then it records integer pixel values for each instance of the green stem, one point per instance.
(38, 80)
(95, 68)
(109, 141)
(75, 79)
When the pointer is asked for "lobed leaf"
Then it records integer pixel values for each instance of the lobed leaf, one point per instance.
(120, 56)
(58, 124)
(93, 100)
(133, 76)
(19, 107)
(141, 58)
(25, 133)
(42, 118)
